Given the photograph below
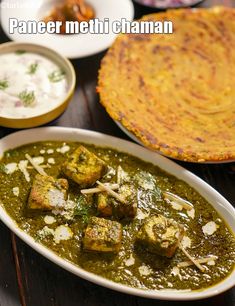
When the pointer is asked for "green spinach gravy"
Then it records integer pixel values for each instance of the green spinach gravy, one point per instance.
(206, 234)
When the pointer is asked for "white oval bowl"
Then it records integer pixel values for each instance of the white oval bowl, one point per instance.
(226, 211)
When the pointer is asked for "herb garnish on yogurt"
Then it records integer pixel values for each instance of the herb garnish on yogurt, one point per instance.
(3, 84)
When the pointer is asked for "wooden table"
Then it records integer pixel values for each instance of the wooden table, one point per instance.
(26, 278)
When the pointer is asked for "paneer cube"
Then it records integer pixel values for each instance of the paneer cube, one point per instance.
(129, 209)
(161, 235)
(48, 193)
(84, 167)
(102, 235)
(108, 206)
(105, 204)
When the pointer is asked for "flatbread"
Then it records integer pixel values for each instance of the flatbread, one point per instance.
(176, 92)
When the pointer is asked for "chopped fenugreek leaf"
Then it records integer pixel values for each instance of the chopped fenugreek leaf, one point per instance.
(4, 84)
(32, 68)
(83, 213)
(20, 52)
(27, 97)
(56, 76)
(84, 209)
(2, 168)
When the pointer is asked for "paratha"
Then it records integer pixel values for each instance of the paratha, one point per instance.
(176, 92)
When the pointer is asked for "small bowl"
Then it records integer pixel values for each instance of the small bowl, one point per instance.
(163, 5)
(74, 45)
(43, 118)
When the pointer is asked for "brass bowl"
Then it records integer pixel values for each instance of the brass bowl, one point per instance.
(65, 64)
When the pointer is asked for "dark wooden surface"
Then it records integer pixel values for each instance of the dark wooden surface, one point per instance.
(26, 278)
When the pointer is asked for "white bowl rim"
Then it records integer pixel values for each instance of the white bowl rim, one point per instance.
(224, 208)
(72, 46)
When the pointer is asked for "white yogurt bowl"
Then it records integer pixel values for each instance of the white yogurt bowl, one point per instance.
(38, 115)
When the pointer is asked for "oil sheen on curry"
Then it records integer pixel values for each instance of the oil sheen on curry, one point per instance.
(117, 216)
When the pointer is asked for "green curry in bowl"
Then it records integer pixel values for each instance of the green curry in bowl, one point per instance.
(117, 216)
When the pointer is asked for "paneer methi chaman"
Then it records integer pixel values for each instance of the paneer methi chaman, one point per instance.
(115, 215)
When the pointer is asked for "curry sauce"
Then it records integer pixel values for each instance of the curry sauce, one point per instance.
(205, 233)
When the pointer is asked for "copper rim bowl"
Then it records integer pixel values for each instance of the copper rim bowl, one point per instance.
(52, 114)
